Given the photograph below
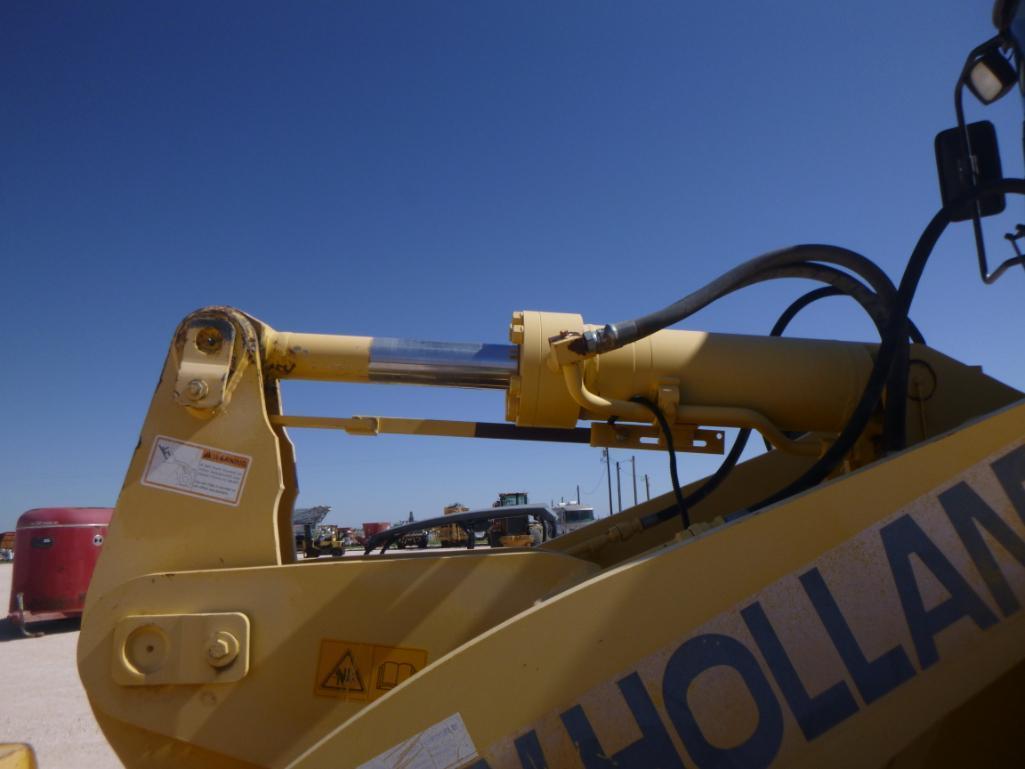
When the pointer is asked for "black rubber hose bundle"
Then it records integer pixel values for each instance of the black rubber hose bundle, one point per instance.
(893, 344)
(776, 267)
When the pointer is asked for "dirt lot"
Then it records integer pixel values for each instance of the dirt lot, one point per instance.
(42, 700)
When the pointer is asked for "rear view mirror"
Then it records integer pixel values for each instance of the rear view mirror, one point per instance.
(955, 167)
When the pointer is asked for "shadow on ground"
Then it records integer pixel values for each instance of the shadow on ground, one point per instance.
(10, 631)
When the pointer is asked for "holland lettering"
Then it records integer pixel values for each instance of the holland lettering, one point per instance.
(977, 526)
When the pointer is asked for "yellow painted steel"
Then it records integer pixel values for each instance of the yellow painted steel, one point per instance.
(617, 622)
(17, 756)
(200, 650)
(325, 357)
(431, 603)
(754, 373)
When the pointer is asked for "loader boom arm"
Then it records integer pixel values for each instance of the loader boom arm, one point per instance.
(206, 651)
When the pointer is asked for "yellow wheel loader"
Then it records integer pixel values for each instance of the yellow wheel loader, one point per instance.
(851, 598)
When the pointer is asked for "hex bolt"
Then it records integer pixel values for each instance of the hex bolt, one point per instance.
(221, 649)
(197, 389)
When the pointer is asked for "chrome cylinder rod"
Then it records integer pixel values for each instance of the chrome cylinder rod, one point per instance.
(340, 358)
(447, 364)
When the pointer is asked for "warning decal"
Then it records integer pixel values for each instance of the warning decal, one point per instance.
(195, 470)
(445, 745)
(364, 672)
(344, 676)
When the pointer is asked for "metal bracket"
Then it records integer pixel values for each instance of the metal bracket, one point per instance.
(181, 649)
(696, 440)
(205, 363)
(1014, 237)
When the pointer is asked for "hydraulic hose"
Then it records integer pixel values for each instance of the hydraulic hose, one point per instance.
(840, 283)
(823, 293)
(891, 343)
(616, 335)
(852, 288)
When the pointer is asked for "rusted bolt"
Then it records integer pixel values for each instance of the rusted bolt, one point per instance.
(221, 649)
(197, 389)
(209, 340)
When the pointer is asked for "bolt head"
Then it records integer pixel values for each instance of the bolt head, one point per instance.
(197, 389)
(222, 649)
(218, 649)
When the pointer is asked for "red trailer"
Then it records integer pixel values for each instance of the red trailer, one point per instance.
(370, 529)
(57, 549)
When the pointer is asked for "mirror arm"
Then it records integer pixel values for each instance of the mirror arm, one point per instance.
(966, 149)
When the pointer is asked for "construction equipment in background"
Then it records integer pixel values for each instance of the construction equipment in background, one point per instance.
(7, 546)
(57, 550)
(314, 538)
(573, 516)
(411, 536)
(317, 541)
(784, 611)
(452, 535)
(472, 522)
(514, 532)
(416, 538)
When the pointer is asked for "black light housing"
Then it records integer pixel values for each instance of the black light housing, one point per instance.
(990, 76)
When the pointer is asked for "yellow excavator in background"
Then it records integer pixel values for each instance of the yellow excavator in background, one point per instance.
(451, 535)
(513, 532)
(852, 597)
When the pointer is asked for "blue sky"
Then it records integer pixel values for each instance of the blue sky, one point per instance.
(425, 169)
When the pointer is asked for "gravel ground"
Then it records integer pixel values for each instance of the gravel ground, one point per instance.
(43, 702)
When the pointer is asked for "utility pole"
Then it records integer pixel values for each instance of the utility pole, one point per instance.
(647, 487)
(608, 476)
(619, 488)
(633, 469)
(578, 493)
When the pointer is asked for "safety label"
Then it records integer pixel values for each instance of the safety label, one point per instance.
(364, 672)
(445, 745)
(196, 470)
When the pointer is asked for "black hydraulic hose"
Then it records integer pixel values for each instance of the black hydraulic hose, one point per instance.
(667, 433)
(823, 293)
(891, 343)
(880, 311)
(615, 335)
(840, 283)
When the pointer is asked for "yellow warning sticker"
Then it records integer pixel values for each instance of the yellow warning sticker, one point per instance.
(362, 671)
